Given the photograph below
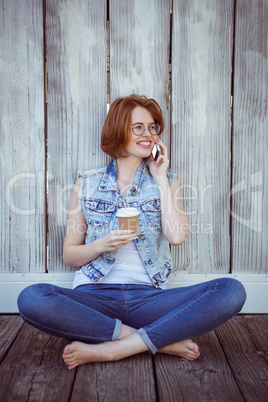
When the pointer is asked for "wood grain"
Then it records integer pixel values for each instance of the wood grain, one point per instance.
(233, 366)
(200, 138)
(131, 380)
(33, 369)
(249, 207)
(9, 328)
(245, 344)
(22, 143)
(204, 379)
(139, 51)
(77, 105)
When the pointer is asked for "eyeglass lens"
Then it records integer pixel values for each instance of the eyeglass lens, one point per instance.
(139, 129)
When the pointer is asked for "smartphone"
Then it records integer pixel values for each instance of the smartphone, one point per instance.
(156, 151)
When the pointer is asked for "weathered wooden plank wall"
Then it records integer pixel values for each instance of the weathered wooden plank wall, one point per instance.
(77, 105)
(214, 50)
(250, 139)
(22, 141)
(201, 131)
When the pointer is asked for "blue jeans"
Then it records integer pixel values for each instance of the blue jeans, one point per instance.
(95, 312)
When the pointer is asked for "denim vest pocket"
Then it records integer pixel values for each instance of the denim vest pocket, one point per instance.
(152, 211)
(99, 212)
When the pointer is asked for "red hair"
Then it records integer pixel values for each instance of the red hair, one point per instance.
(115, 133)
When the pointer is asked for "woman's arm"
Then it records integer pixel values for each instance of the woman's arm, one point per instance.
(175, 225)
(75, 251)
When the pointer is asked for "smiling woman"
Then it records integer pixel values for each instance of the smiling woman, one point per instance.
(116, 130)
(119, 301)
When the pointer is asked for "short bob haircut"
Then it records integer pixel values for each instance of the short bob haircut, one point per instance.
(116, 131)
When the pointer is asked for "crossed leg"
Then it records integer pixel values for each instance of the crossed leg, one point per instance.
(190, 311)
(129, 343)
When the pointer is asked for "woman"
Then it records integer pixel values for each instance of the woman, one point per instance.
(119, 305)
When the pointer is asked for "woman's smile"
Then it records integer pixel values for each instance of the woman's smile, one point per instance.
(145, 144)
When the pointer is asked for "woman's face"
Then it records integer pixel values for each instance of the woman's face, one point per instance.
(140, 146)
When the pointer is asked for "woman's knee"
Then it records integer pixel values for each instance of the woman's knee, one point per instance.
(235, 293)
(31, 298)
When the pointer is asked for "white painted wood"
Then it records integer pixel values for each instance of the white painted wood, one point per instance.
(12, 284)
(249, 207)
(77, 105)
(200, 138)
(256, 287)
(139, 51)
(22, 153)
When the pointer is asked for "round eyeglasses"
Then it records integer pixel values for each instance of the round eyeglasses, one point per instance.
(138, 129)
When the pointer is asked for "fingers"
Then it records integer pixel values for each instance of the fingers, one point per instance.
(163, 147)
(123, 234)
(163, 158)
(119, 238)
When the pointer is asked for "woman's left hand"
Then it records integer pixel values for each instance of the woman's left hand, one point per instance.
(160, 166)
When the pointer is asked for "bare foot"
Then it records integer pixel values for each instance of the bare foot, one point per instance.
(187, 349)
(79, 353)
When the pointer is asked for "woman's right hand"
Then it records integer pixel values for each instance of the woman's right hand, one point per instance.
(116, 239)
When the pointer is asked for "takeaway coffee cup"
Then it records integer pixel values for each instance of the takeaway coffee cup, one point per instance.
(128, 219)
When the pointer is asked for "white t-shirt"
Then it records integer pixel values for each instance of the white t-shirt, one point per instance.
(127, 269)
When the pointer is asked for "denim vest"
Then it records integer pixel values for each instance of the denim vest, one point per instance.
(100, 198)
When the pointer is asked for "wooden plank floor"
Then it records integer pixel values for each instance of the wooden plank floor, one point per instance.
(233, 366)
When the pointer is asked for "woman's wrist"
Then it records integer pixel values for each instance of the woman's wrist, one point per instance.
(161, 180)
(99, 246)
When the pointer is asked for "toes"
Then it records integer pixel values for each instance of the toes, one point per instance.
(67, 349)
(190, 356)
(71, 365)
(193, 353)
(67, 362)
(195, 350)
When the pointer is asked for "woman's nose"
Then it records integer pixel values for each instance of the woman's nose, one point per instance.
(146, 131)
